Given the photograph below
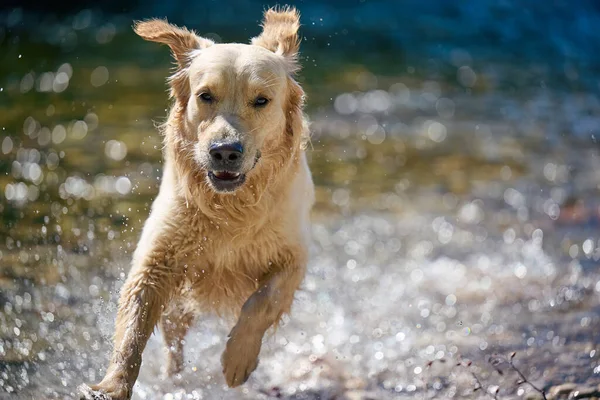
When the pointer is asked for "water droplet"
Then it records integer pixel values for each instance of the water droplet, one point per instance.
(123, 185)
(466, 76)
(99, 76)
(115, 149)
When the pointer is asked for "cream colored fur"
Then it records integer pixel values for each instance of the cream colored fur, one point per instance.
(242, 253)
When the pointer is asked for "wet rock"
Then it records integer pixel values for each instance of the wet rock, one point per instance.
(573, 391)
(534, 396)
(585, 393)
(561, 390)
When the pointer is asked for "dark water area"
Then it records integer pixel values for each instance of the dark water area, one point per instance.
(455, 153)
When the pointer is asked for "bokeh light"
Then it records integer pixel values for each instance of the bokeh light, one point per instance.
(454, 150)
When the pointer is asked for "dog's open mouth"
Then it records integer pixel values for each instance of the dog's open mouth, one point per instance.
(226, 181)
(226, 175)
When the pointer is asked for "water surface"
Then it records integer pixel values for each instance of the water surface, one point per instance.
(457, 210)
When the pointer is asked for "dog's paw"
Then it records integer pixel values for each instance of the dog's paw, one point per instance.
(240, 358)
(103, 392)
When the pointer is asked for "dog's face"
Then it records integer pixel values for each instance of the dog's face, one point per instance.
(237, 102)
(234, 99)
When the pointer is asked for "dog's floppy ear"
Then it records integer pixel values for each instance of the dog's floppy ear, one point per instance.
(280, 33)
(180, 40)
(182, 43)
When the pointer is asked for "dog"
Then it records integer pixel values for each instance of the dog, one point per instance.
(229, 229)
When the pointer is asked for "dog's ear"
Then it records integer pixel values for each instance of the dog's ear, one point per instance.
(180, 40)
(280, 33)
(182, 43)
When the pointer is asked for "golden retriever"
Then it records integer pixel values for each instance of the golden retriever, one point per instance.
(229, 229)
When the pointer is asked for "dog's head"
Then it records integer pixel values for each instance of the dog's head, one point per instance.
(235, 103)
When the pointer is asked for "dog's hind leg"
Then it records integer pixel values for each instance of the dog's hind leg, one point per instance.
(174, 324)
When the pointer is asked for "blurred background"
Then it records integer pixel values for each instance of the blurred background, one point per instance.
(455, 154)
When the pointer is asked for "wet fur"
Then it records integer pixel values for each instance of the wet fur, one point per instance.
(242, 254)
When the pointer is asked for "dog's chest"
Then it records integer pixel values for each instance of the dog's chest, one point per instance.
(222, 270)
(215, 247)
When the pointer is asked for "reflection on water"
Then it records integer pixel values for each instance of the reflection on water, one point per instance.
(455, 217)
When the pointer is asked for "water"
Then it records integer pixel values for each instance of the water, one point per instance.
(457, 204)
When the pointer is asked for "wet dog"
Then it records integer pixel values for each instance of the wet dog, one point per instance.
(228, 231)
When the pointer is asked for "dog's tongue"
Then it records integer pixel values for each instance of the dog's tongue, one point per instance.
(226, 175)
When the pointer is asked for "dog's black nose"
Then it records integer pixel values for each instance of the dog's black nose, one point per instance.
(226, 154)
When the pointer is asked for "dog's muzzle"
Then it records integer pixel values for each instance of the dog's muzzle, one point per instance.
(225, 172)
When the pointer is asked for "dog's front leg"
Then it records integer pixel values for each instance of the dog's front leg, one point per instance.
(264, 308)
(142, 300)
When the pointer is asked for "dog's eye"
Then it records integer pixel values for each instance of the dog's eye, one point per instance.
(206, 97)
(260, 101)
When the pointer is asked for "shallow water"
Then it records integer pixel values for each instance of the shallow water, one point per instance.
(456, 218)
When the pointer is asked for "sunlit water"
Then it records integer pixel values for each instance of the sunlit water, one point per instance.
(456, 218)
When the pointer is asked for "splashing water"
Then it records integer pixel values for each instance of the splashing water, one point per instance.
(456, 217)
